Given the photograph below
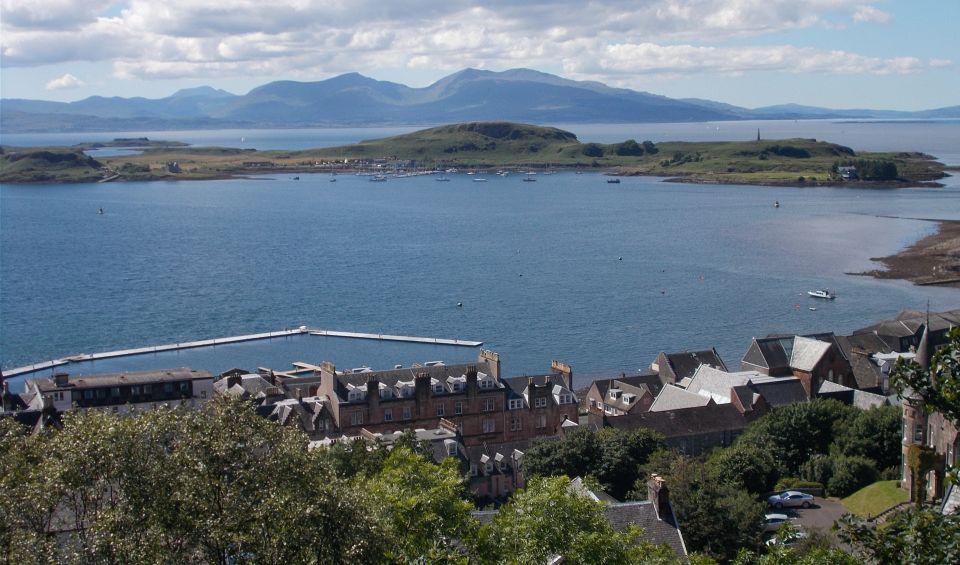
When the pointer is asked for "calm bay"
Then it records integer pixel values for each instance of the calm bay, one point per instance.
(569, 267)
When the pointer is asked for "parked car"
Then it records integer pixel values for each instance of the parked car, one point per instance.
(790, 499)
(791, 539)
(772, 522)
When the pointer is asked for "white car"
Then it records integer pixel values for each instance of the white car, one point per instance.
(790, 499)
(772, 522)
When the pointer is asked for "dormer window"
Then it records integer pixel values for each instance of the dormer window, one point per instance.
(568, 399)
(439, 389)
(614, 393)
(516, 403)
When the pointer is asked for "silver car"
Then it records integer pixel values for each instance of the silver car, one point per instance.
(790, 499)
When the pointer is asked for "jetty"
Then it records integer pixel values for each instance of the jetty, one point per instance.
(79, 358)
(407, 338)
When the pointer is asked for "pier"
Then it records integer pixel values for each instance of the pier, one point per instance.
(36, 367)
(407, 338)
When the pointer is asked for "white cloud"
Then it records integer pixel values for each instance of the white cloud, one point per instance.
(67, 81)
(869, 14)
(940, 62)
(605, 40)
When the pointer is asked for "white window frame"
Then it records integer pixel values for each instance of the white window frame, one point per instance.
(441, 409)
(541, 402)
(388, 414)
(458, 408)
(516, 403)
(489, 405)
(489, 425)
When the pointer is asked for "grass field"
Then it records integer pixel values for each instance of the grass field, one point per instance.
(874, 499)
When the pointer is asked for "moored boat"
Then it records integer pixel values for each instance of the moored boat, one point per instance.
(821, 293)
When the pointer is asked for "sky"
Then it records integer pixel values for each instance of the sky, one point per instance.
(895, 54)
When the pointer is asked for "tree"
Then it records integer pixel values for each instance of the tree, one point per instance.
(850, 474)
(424, 507)
(548, 519)
(921, 536)
(629, 148)
(749, 467)
(592, 150)
(717, 517)
(794, 433)
(874, 434)
(611, 456)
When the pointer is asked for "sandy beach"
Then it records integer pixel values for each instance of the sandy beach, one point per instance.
(934, 260)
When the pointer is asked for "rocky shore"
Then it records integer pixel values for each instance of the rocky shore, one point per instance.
(934, 260)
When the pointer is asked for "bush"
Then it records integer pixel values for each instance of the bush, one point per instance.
(818, 469)
(629, 148)
(793, 483)
(592, 150)
(850, 474)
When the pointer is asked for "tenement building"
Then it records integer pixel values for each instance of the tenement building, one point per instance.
(485, 407)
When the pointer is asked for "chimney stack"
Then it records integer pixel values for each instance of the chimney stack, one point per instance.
(659, 496)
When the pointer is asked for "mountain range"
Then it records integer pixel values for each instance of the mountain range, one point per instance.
(521, 95)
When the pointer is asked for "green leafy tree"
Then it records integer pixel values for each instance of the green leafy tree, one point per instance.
(874, 434)
(548, 520)
(920, 536)
(611, 456)
(851, 474)
(424, 506)
(794, 433)
(716, 517)
(749, 467)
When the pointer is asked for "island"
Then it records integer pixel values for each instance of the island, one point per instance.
(490, 145)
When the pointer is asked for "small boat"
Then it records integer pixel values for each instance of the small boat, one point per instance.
(100, 212)
(333, 180)
(776, 204)
(529, 179)
(442, 179)
(378, 178)
(812, 308)
(613, 181)
(481, 179)
(821, 293)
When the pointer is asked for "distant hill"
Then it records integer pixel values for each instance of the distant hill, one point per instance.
(520, 95)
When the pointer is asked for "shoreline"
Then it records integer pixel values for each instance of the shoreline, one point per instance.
(933, 260)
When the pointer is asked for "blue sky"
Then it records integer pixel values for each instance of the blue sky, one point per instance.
(877, 54)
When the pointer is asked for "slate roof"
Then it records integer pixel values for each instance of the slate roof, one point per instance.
(673, 398)
(519, 384)
(859, 398)
(390, 377)
(858, 348)
(807, 353)
(684, 422)
(685, 364)
(122, 379)
(775, 351)
(661, 532)
(719, 385)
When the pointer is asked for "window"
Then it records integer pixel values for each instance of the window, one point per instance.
(356, 418)
(388, 415)
(184, 388)
(438, 388)
(566, 399)
(458, 407)
(440, 409)
(488, 404)
(486, 383)
(489, 426)
(542, 421)
(541, 402)
(147, 389)
(135, 391)
(203, 394)
(473, 470)
(406, 413)
(168, 388)
(516, 424)
(451, 448)
(918, 433)
(516, 403)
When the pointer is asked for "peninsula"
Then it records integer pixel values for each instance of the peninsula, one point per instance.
(482, 145)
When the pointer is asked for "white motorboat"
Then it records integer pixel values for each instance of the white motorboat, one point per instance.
(821, 293)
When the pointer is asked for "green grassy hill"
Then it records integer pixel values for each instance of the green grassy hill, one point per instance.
(802, 162)
(47, 166)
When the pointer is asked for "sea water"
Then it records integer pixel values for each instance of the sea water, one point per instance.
(602, 276)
